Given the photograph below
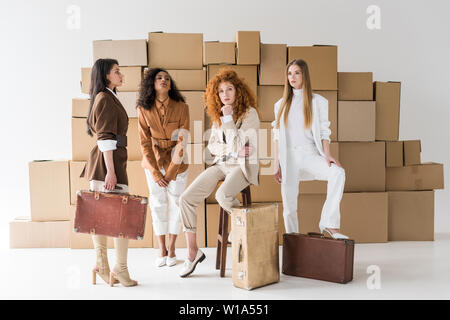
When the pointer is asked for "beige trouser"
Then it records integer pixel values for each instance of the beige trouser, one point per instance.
(100, 242)
(204, 184)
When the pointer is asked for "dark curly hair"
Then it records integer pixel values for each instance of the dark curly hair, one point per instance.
(147, 92)
(244, 95)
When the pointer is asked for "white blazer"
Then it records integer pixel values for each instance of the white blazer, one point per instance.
(320, 130)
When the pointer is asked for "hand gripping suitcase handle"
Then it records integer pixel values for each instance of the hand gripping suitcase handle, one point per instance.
(315, 234)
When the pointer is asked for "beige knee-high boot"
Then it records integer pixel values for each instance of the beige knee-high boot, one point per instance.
(120, 270)
(102, 265)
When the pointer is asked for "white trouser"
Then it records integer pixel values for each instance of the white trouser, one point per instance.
(308, 159)
(166, 221)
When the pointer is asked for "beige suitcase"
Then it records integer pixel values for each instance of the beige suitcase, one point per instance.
(255, 245)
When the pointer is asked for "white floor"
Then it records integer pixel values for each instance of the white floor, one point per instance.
(407, 270)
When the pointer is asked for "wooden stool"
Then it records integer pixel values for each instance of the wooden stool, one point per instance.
(222, 236)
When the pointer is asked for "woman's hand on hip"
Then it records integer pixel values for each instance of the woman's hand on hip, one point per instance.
(277, 174)
(331, 160)
(110, 181)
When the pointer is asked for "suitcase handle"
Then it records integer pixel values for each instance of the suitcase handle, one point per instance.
(240, 252)
(316, 234)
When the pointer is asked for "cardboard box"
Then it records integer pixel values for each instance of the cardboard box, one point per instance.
(273, 64)
(164, 50)
(322, 63)
(247, 73)
(364, 216)
(24, 233)
(247, 47)
(265, 141)
(189, 79)
(126, 52)
(129, 102)
(82, 143)
(394, 153)
(77, 182)
(80, 108)
(426, 176)
(331, 96)
(411, 152)
(387, 96)
(85, 80)
(267, 97)
(132, 77)
(355, 86)
(356, 121)
(411, 216)
(49, 190)
(215, 52)
(364, 164)
(137, 181)
(194, 100)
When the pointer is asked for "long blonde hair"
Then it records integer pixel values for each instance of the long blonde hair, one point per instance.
(287, 95)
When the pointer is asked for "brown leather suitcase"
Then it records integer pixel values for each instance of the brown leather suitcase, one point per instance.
(316, 257)
(118, 215)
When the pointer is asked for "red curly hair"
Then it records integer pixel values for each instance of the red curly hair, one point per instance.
(244, 98)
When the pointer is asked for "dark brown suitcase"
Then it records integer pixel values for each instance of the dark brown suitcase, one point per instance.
(118, 215)
(316, 257)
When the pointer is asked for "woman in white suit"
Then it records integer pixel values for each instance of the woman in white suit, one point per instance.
(302, 148)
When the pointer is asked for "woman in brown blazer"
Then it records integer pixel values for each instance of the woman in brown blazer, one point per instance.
(107, 164)
(163, 132)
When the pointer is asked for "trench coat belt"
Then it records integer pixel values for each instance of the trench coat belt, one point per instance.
(163, 143)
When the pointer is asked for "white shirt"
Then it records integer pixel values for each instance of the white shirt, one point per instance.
(113, 93)
(296, 134)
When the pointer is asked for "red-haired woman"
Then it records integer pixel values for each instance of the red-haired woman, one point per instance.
(232, 109)
(302, 148)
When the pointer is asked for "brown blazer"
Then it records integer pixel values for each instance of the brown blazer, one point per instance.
(158, 139)
(108, 119)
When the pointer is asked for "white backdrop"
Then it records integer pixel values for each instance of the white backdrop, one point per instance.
(41, 59)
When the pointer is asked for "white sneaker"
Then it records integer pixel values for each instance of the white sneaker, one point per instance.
(171, 261)
(189, 267)
(160, 261)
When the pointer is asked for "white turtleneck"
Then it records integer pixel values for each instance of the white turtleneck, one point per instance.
(296, 134)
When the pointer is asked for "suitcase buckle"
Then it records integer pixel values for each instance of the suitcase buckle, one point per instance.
(92, 231)
(121, 235)
(239, 221)
(96, 195)
(124, 200)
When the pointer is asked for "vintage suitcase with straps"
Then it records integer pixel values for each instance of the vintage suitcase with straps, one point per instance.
(118, 215)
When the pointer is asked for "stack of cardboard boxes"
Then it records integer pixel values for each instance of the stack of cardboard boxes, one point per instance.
(388, 193)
